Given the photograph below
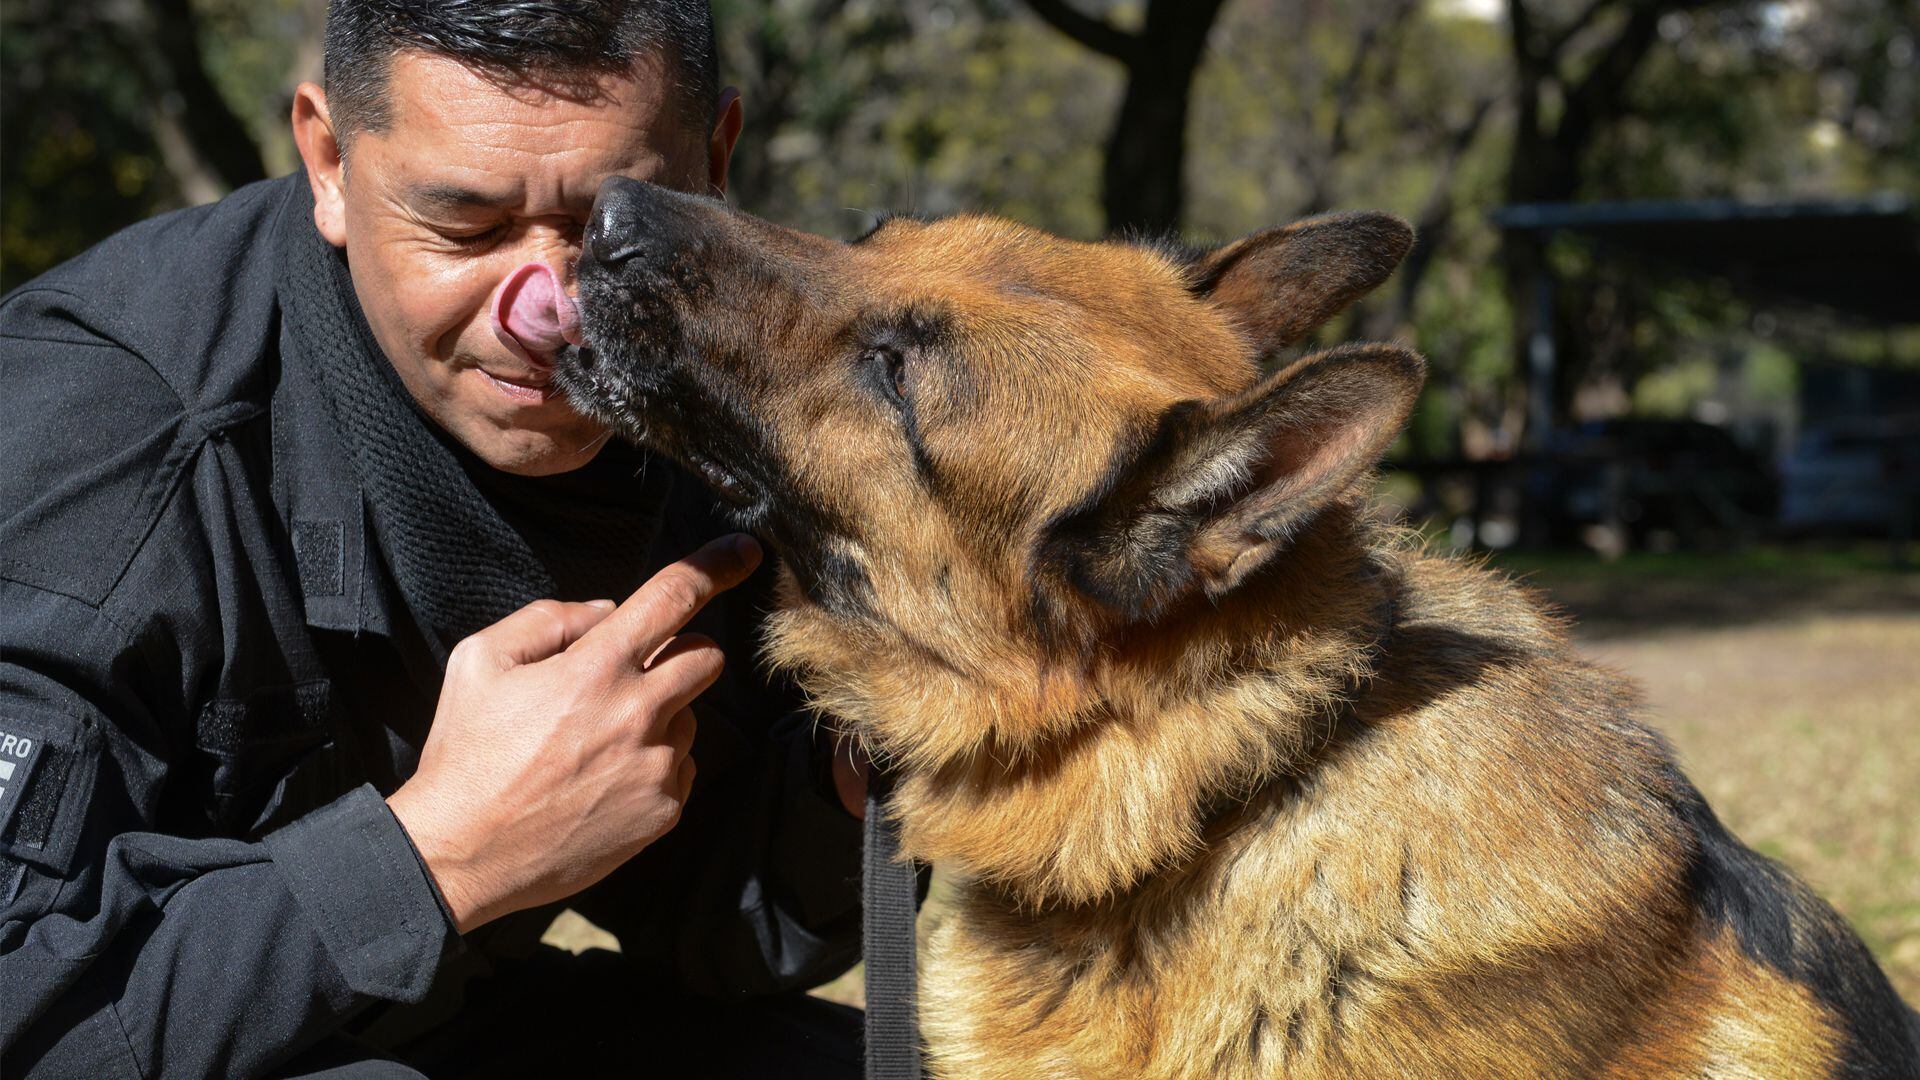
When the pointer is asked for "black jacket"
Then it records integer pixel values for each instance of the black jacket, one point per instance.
(207, 683)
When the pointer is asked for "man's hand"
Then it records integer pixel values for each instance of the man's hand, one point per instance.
(559, 748)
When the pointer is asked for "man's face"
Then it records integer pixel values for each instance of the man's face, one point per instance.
(470, 181)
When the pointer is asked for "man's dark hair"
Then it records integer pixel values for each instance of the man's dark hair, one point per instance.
(560, 45)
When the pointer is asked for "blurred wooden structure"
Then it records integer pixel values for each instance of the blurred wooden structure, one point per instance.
(1857, 257)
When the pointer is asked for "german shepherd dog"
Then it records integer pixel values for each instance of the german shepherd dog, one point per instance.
(1237, 780)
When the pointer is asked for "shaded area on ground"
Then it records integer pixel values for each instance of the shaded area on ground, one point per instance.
(1642, 594)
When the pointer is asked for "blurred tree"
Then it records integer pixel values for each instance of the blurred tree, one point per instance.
(1288, 107)
(78, 156)
(1142, 185)
(113, 110)
(1764, 100)
(856, 107)
(1867, 55)
(1369, 103)
(781, 54)
(1572, 81)
(206, 145)
(1308, 106)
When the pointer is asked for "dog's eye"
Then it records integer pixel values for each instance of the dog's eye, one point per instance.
(897, 375)
(893, 367)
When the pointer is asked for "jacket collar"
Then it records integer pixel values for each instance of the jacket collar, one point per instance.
(324, 507)
(314, 486)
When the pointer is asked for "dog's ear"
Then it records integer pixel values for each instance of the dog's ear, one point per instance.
(1281, 284)
(1221, 485)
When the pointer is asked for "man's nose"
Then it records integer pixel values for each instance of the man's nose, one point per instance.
(630, 219)
(555, 242)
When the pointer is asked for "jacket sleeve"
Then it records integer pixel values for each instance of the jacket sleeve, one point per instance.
(127, 952)
(126, 948)
(757, 889)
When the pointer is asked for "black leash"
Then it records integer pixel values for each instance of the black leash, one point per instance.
(887, 944)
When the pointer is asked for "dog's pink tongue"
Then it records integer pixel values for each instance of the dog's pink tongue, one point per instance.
(535, 311)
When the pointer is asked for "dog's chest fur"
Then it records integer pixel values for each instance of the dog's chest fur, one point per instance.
(1426, 898)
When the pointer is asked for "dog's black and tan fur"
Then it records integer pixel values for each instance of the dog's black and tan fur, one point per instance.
(1239, 781)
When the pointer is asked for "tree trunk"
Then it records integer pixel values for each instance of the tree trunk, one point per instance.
(217, 133)
(1144, 179)
(1143, 183)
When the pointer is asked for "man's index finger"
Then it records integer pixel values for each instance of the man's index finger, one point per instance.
(661, 607)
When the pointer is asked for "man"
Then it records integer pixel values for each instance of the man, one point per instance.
(298, 751)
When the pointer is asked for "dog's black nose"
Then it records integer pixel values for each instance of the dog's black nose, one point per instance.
(620, 225)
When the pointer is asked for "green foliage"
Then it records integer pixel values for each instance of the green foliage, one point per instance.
(925, 107)
(257, 51)
(857, 107)
(1299, 110)
(77, 159)
(80, 153)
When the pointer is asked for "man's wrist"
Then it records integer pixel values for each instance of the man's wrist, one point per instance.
(448, 865)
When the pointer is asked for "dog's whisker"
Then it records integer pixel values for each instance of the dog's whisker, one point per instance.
(596, 442)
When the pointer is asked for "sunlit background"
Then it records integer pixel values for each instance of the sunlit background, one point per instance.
(1669, 283)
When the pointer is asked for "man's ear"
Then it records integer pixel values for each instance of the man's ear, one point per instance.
(728, 117)
(319, 149)
(1222, 485)
(1281, 284)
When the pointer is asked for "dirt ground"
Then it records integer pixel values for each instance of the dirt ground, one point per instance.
(1790, 687)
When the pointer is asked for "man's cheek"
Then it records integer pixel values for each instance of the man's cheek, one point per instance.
(442, 319)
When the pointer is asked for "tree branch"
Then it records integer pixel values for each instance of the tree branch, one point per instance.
(1557, 43)
(1458, 143)
(1097, 34)
(1435, 220)
(1597, 97)
(1347, 90)
(205, 144)
(1520, 30)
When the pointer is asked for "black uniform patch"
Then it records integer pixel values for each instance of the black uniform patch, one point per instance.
(18, 753)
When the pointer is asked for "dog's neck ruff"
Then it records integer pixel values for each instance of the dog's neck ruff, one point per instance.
(1132, 792)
